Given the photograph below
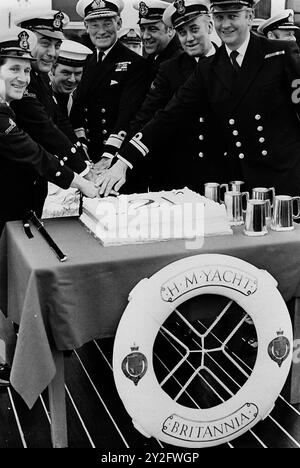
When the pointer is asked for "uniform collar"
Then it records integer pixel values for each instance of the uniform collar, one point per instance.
(211, 51)
(241, 50)
(105, 52)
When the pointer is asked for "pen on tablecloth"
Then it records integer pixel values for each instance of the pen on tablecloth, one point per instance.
(40, 227)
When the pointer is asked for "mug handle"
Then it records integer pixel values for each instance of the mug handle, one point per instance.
(272, 190)
(297, 216)
(226, 190)
(246, 195)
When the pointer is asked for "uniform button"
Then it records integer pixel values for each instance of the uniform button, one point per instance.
(232, 121)
(201, 119)
(257, 117)
(104, 132)
(262, 140)
(58, 174)
(103, 121)
(260, 128)
(73, 150)
(241, 155)
(201, 155)
(201, 137)
(235, 132)
(61, 163)
(264, 153)
(238, 144)
(78, 144)
(65, 158)
(225, 154)
(103, 111)
(85, 109)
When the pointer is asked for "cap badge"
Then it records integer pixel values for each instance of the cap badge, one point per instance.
(23, 40)
(98, 4)
(58, 20)
(131, 33)
(180, 6)
(291, 18)
(143, 9)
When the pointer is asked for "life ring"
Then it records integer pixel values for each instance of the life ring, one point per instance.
(154, 413)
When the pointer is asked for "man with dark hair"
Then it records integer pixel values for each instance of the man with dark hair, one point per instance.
(67, 72)
(248, 86)
(160, 42)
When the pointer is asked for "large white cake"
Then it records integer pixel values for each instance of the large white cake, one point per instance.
(154, 216)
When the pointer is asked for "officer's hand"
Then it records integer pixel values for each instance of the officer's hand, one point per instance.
(87, 187)
(113, 178)
(102, 165)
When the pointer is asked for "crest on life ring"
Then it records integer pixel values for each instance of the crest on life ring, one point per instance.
(279, 348)
(135, 365)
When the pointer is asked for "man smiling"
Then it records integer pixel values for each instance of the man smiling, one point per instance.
(113, 83)
(160, 42)
(247, 88)
(38, 114)
(67, 72)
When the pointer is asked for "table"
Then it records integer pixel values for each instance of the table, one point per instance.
(61, 306)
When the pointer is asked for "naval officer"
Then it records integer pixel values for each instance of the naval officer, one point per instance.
(248, 87)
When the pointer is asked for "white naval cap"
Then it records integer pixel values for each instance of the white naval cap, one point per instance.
(256, 22)
(73, 53)
(229, 6)
(130, 36)
(17, 43)
(183, 11)
(150, 11)
(88, 9)
(48, 23)
(284, 20)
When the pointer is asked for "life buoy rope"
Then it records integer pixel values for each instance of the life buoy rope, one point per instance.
(154, 412)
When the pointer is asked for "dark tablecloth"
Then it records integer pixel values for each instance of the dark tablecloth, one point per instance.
(65, 305)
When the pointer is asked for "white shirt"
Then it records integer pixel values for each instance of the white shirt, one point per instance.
(105, 52)
(241, 50)
(211, 51)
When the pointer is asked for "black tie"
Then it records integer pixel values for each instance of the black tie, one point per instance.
(99, 56)
(233, 58)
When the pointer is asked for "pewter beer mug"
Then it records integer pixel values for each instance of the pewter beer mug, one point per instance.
(262, 193)
(255, 222)
(212, 190)
(234, 207)
(236, 185)
(283, 213)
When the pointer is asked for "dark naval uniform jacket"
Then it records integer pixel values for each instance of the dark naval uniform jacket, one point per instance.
(172, 50)
(107, 97)
(22, 160)
(255, 113)
(188, 159)
(39, 115)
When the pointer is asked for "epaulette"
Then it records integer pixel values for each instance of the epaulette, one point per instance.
(274, 54)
